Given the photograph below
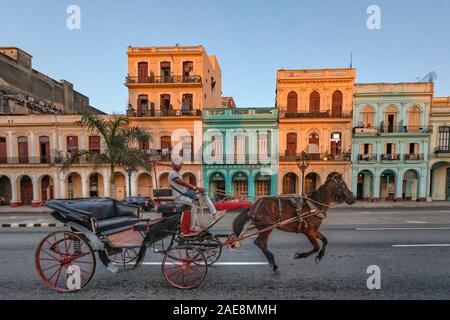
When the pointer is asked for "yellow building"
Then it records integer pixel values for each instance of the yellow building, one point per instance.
(440, 149)
(168, 87)
(315, 117)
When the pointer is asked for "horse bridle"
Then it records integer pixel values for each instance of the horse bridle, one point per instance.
(340, 184)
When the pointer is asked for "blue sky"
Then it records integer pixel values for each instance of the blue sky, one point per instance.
(252, 39)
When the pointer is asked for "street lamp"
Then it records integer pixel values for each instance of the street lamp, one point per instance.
(303, 164)
(129, 172)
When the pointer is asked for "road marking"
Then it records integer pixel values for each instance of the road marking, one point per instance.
(218, 263)
(399, 229)
(420, 245)
(417, 222)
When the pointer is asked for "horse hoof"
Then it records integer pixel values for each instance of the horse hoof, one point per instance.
(297, 256)
(317, 259)
(276, 270)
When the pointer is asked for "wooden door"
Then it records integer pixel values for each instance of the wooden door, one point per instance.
(142, 71)
(291, 144)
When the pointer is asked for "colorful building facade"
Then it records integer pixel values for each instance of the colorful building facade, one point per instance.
(391, 141)
(240, 152)
(315, 117)
(440, 149)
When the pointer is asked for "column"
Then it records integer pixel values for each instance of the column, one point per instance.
(10, 145)
(133, 184)
(106, 191)
(274, 184)
(15, 202)
(62, 185)
(376, 187)
(84, 185)
(399, 186)
(33, 147)
(55, 147)
(251, 186)
(228, 187)
(36, 194)
(424, 181)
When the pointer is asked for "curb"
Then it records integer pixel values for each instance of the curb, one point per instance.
(31, 225)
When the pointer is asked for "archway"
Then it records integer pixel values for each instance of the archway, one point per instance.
(26, 190)
(336, 104)
(217, 186)
(47, 188)
(364, 189)
(367, 117)
(5, 190)
(410, 185)
(387, 185)
(96, 188)
(74, 186)
(164, 180)
(440, 181)
(312, 182)
(144, 185)
(121, 186)
(190, 178)
(262, 185)
(240, 184)
(289, 183)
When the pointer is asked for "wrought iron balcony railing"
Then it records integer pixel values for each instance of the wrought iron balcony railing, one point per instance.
(392, 129)
(367, 157)
(165, 113)
(321, 114)
(390, 157)
(163, 79)
(286, 157)
(414, 157)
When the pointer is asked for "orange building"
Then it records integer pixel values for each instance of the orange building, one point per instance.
(315, 117)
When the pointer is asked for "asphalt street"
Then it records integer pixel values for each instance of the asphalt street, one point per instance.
(410, 246)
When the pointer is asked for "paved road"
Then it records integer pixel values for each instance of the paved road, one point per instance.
(412, 249)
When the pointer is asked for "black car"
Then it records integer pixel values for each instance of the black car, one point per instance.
(146, 203)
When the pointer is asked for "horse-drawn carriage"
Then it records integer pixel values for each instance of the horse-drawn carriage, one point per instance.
(66, 260)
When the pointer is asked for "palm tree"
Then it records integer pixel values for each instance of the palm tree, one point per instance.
(119, 140)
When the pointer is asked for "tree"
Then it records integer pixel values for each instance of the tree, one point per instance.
(119, 142)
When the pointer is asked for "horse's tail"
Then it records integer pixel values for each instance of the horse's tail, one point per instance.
(240, 221)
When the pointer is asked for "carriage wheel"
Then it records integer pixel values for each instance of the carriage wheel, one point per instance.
(184, 267)
(128, 255)
(212, 250)
(65, 261)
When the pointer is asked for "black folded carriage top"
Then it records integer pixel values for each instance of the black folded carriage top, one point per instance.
(107, 213)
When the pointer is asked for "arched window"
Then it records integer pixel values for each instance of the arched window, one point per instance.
(165, 71)
(165, 105)
(188, 69)
(314, 102)
(142, 104)
(390, 120)
(292, 102)
(44, 149)
(336, 105)
(336, 144)
(291, 144)
(142, 71)
(94, 144)
(367, 116)
(444, 139)
(3, 155)
(187, 103)
(313, 146)
(22, 144)
(414, 119)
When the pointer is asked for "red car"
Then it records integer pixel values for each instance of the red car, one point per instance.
(232, 203)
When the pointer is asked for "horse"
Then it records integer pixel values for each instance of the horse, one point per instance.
(272, 211)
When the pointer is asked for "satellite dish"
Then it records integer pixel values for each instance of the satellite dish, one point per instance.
(430, 77)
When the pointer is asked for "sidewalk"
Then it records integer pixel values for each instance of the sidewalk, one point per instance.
(356, 206)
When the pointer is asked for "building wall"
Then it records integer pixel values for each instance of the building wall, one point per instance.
(323, 123)
(375, 169)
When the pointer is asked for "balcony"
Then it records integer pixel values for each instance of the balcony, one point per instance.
(367, 157)
(162, 80)
(283, 157)
(414, 157)
(390, 157)
(393, 129)
(165, 113)
(234, 114)
(322, 114)
(29, 160)
(442, 150)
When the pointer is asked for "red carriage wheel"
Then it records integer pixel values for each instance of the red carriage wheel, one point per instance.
(126, 256)
(184, 267)
(65, 261)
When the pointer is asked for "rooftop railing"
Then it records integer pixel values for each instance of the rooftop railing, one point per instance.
(163, 79)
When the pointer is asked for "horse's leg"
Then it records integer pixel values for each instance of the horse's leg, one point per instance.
(312, 238)
(261, 242)
(324, 245)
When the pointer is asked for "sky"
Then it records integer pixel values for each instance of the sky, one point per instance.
(251, 39)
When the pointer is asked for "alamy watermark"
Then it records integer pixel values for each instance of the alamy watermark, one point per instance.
(73, 21)
(374, 20)
(374, 280)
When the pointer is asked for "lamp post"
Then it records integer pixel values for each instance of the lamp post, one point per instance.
(303, 164)
(129, 172)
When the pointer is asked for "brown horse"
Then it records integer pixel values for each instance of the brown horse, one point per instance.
(269, 211)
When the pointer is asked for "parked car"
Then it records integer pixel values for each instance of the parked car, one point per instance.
(146, 203)
(232, 203)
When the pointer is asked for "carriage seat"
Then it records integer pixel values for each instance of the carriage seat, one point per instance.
(169, 209)
(108, 213)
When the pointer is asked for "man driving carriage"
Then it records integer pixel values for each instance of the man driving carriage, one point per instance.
(190, 195)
